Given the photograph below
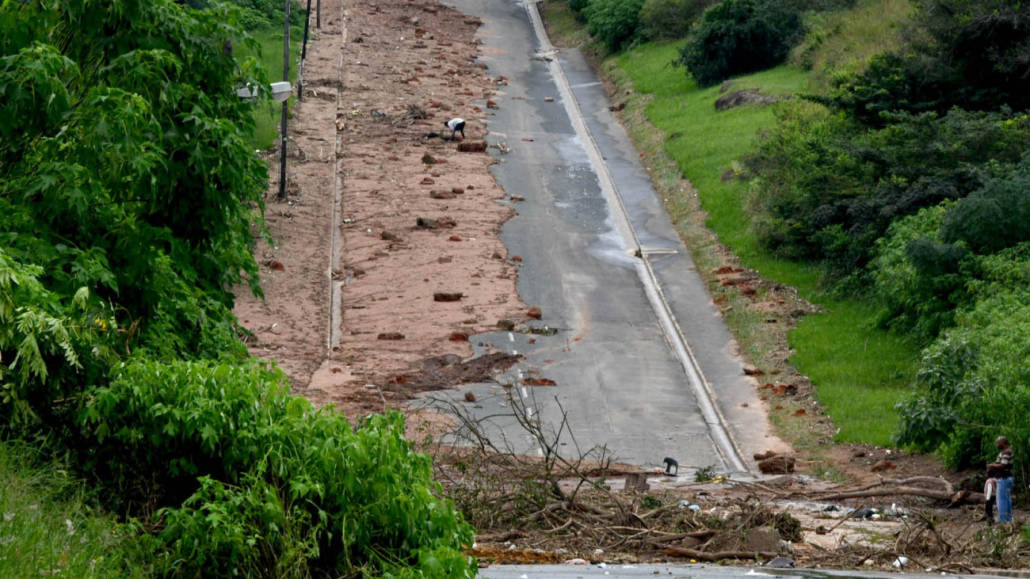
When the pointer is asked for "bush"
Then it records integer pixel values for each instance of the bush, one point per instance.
(830, 188)
(739, 36)
(975, 375)
(254, 481)
(613, 22)
(918, 297)
(973, 55)
(670, 19)
(578, 7)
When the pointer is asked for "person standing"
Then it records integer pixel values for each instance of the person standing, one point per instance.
(1001, 470)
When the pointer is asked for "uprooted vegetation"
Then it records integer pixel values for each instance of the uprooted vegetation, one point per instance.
(580, 505)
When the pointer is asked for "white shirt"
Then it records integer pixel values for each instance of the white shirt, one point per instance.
(453, 123)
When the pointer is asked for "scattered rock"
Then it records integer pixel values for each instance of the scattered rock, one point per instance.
(517, 258)
(390, 336)
(457, 190)
(454, 238)
(753, 371)
(428, 159)
(800, 412)
(882, 465)
(491, 104)
(496, 255)
(531, 381)
(427, 181)
(459, 337)
(274, 265)
(470, 397)
(637, 481)
(777, 464)
(508, 325)
(534, 312)
(747, 96)
(425, 223)
(387, 236)
(435, 194)
(447, 296)
(780, 563)
(472, 147)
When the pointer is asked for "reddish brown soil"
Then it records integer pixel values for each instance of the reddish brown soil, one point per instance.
(420, 266)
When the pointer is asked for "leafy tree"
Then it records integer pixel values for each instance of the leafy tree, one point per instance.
(125, 165)
(739, 36)
(670, 19)
(613, 22)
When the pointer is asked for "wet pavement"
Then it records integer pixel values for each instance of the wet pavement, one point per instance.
(616, 571)
(642, 361)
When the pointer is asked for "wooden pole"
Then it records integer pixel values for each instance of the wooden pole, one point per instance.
(286, 77)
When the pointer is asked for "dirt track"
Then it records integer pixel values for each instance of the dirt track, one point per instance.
(418, 219)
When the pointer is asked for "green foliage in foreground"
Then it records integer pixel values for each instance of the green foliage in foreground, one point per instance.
(268, 485)
(128, 201)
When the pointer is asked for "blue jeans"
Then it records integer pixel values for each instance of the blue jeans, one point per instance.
(1005, 500)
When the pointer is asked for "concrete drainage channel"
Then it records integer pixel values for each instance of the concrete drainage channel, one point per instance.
(713, 418)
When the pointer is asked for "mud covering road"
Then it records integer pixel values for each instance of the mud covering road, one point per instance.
(418, 267)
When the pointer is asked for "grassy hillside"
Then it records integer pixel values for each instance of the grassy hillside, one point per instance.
(860, 372)
(843, 41)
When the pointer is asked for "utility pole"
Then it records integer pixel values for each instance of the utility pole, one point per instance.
(318, 14)
(303, 53)
(286, 78)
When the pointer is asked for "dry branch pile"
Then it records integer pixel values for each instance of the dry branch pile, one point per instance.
(560, 507)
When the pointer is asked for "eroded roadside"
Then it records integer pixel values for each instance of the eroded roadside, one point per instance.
(420, 268)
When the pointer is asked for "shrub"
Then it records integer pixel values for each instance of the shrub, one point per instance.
(830, 188)
(739, 36)
(613, 22)
(975, 375)
(254, 481)
(578, 7)
(920, 294)
(670, 19)
(973, 55)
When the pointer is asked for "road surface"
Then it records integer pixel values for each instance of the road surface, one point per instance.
(643, 363)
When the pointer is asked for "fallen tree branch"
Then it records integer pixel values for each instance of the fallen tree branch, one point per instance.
(716, 555)
(941, 495)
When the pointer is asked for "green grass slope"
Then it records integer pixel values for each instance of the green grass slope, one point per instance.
(48, 528)
(860, 372)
